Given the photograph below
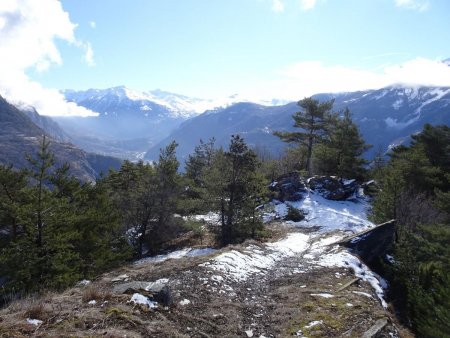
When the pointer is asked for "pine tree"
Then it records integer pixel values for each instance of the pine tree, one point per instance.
(64, 229)
(415, 186)
(236, 191)
(314, 121)
(341, 152)
(199, 160)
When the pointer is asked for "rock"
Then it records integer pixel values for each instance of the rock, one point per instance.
(164, 296)
(376, 328)
(333, 189)
(157, 291)
(132, 287)
(120, 278)
(289, 187)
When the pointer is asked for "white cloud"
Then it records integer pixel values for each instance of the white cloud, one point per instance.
(417, 5)
(89, 54)
(277, 6)
(306, 78)
(93, 24)
(28, 30)
(307, 4)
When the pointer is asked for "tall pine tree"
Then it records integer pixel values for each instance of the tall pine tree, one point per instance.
(313, 120)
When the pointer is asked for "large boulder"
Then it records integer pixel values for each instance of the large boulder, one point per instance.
(289, 187)
(332, 188)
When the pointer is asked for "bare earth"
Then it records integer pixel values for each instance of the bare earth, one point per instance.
(293, 296)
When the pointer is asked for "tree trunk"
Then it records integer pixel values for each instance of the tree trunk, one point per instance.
(309, 158)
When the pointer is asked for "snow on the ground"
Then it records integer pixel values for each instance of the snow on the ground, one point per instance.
(330, 215)
(36, 322)
(238, 266)
(314, 323)
(346, 259)
(137, 298)
(189, 252)
(324, 295)
(185, 302)
(210, 217)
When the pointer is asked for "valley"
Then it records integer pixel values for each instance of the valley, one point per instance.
(136, 125)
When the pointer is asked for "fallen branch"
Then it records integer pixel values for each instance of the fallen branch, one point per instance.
(362, 233)
(346, 285)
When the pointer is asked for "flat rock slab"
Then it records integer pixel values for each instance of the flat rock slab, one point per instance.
(376, 328)
(136, 286)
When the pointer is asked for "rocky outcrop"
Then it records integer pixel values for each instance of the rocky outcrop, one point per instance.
(289, 187)
(332, 188)
(372, 244)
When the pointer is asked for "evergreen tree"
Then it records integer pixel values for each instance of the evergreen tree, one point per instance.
(415, 186)
(199, 160)
(63, 230)
(12, 185)
(168, 189)
(236, 191)
(314, 121)
(134, 192)
(341, 152)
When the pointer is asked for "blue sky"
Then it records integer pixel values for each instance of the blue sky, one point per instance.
(258, 48)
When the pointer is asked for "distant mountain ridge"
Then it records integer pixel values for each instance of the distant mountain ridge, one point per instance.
(19, 137)
(386, 117)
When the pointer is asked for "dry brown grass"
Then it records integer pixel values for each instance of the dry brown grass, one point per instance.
(95, 293)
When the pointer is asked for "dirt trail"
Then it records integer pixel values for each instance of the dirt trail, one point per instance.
(278, 289)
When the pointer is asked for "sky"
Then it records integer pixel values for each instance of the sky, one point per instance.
(259, 49)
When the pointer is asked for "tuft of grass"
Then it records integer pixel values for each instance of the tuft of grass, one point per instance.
(35, 309)
(95, 293)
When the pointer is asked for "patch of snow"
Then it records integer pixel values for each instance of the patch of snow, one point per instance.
(238, 266)
(145, 108)
(92, 302)
(200, 252)
(330, 215)
(411, 92)
(365, 294)
(137, 298)
(382, 94)
(176, 255)
(397, 104)
(210, 217)
(349, 304)
(249, 333)
(185, 302)
(120, 278)
(83, 282)
(324, 295)
(36, 322)
(313, 323)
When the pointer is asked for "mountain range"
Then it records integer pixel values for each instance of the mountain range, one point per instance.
(386, 117)
(136, 125)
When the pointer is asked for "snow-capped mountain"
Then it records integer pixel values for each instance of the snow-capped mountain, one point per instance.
(386, 117)
(130, 121)
(178, 106)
